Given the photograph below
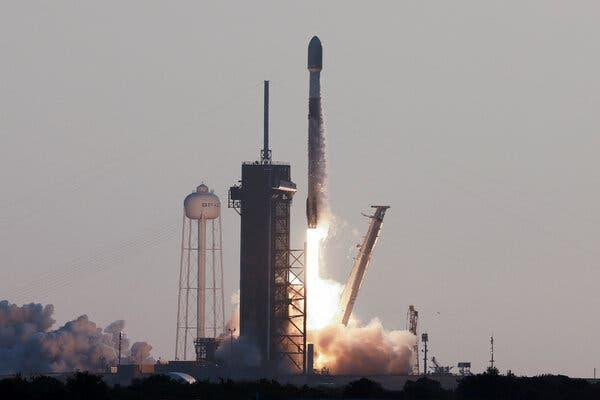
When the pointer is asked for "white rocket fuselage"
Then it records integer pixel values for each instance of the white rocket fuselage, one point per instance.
(316, 147)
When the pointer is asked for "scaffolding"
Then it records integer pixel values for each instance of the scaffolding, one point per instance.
(289, 313)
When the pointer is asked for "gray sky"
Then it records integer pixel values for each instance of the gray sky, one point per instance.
(476, 121)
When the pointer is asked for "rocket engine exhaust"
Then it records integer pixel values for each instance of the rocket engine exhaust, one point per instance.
(315, 202)
(323, 302)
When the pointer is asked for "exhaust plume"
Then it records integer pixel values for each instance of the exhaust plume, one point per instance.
(233, 350)
(363, 350)
(27, 343)
(140, 353)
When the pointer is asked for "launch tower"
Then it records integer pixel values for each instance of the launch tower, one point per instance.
(272, 294)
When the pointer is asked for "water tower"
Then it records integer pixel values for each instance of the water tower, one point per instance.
(200, 304)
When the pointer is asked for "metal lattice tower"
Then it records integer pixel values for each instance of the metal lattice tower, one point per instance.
(425, 340)
(200, 303)
(289, 310)
(412, 320)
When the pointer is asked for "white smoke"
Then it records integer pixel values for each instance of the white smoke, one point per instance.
(234, 320)
(238, 352)
(364, 350)
(233, 350)
(140, 353)
(27, 343)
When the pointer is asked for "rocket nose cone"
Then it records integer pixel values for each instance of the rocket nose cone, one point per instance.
(315, 54)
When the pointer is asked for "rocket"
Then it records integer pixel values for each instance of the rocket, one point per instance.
(315, 201)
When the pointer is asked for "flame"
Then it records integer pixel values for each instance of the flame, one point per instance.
(356, 348)
(323, 294)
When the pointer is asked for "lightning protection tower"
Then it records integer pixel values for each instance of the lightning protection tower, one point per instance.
(200, 304)
(412, 320)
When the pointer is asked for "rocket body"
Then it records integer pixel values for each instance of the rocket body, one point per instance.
(315, 202)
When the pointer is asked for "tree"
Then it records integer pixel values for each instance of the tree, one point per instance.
(363, 388)
(423, 389)
(86, 386)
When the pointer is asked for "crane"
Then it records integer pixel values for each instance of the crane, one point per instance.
(439, 369)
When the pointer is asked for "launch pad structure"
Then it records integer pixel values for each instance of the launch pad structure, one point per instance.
(361, 263)
(412, 321)
(272, 289)
(273, 292)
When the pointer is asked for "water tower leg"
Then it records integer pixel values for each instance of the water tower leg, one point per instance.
(180, 289)
(200, 321)
(214, 279)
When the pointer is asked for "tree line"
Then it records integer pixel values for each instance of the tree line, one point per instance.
(489, 385)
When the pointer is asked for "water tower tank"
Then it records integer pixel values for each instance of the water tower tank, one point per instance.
(202, 204)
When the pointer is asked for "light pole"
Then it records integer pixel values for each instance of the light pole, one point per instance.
(425, 339)
(231, 331)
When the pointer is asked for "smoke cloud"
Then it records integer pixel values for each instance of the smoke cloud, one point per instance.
(234, 320)
(140, 353)
(233, 350)
(364, 350)
(27, 343)
(238, 352)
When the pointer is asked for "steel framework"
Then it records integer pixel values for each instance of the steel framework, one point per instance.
(288, 297)
(213, 321)
(289, 311)
(412, 320)
(361, 263)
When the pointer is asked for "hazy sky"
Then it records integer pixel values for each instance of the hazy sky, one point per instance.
(476, 121)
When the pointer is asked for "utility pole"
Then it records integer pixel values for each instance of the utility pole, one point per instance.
(425, 339)
(492, 352)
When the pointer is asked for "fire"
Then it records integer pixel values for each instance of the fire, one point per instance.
(354, 349)
(323, 294)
